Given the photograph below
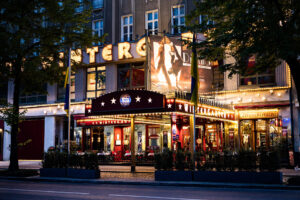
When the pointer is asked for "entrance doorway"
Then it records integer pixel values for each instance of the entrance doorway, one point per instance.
(98, 138)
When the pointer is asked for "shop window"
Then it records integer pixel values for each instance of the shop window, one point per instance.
(259, 79)
(98, 29)
(126, 141)
(131, 76)
(247, 129)
(152, 22)
(154, 135)
(61, 91)
(178, 18)
(126, 28)
(96, 79)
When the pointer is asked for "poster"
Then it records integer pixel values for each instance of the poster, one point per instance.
(171, 66)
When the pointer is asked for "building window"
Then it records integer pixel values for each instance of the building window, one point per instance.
(131, 76)
(98, 29)
(61, 91)
(127, 28)
(96, 79)
(152, 22)
(80, 6)
(178, 19)
(204, 18)
(97, 4)
(259, 79)
(33, 98)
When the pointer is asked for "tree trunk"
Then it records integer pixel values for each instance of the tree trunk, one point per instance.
(14, 165)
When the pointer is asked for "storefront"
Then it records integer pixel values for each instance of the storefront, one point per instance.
(260, 128)
(159, 122)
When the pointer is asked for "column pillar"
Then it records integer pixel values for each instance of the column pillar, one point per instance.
(132, 144)
(6, 141)
(49, 137)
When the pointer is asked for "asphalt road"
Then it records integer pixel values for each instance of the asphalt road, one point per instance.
(17, 190)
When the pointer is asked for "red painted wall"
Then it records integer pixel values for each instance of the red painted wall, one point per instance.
(31, 139)
(118, 131)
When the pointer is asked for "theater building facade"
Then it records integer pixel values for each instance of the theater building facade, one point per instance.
(145, 85)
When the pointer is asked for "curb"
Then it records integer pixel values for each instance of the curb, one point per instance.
(155, 183)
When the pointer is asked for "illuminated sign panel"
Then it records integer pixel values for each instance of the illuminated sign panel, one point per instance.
(125, 100)
(171, 66)
(258, 114)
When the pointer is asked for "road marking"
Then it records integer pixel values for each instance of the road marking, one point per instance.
(45, 191)
(151, 197)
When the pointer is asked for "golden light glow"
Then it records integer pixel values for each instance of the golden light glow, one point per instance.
(258, 113)
(124, 50)
(141, 47)
(76, 55)
(92, 52)
(187, 36)
(61, 56)
(107, 52)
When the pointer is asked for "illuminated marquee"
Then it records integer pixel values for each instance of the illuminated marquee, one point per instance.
(258, 114)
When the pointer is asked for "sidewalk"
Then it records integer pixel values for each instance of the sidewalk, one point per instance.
(113, 174)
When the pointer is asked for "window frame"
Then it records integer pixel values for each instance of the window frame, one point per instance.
(128, 28)
(100, 30)
(99, 6)
(72, 86)
(96, 83)
(178, 16)
(257, 76)
(153, 30)
(131, 67)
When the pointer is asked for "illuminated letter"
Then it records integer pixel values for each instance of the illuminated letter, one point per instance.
(141, 47)
(107, 52)
(123, 50)
(92, 52)
(61, 56)
(76, 55)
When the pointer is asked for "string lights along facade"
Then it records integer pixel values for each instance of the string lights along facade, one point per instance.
(136, 91)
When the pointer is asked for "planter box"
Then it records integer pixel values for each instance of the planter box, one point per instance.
(53, 172)
(173, 175)
(70, 172)
(239, 177)
(83, 173)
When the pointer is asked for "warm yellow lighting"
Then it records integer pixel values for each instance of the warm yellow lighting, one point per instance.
(124, 50)
(107, 52)
(141, 47)
(187, 36)
(92, 52)
(76, 55)
(61, 56)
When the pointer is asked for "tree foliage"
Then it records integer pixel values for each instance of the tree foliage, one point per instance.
(266, 29)
(32, 35)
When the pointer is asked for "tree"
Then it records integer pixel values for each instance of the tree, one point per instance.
(32, 35)
(269, 30)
